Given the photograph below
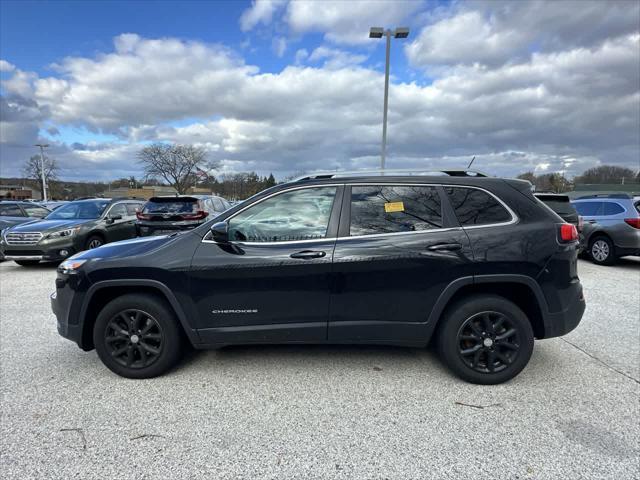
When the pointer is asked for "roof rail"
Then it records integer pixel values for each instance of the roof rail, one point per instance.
(400, 172)
(605, 195)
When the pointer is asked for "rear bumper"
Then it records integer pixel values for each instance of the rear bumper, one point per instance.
(147, 229)
(562, 322)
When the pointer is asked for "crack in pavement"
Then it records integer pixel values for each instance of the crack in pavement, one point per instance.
(600, 361)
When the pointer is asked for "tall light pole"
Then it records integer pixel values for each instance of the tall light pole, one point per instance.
(44, 183)
(379, 32)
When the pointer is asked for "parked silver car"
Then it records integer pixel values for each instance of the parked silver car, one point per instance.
(611, 226)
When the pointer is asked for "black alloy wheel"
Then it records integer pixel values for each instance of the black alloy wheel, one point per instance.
(138, 335)
(134, 338)
(485, 339)
(488, 342)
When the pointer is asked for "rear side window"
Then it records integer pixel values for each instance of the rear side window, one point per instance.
(476, 207)
(132, 208)
(11, 211)
(612, 208)
(394, 208)
(589, 208)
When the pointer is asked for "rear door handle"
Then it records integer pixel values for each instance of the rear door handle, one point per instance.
(450, 247)
(306, 254)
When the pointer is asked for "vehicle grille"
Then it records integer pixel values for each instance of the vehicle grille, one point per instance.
(30, 238)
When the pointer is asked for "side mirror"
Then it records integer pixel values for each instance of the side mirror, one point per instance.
(113, 218)
(220, 232)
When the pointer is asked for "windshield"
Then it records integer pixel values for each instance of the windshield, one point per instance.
(79, 210)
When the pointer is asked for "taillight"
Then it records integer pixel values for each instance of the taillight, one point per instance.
(634, 222)
(199, 215)
(568, 233)
(142, 216)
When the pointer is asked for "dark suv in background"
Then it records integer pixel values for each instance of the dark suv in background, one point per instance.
(71, 228)
(611, 226)
(476, 263)
(163, 215)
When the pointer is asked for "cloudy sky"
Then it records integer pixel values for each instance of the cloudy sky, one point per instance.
(294, 86)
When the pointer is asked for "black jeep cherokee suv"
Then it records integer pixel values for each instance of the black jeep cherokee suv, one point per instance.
(475, 262)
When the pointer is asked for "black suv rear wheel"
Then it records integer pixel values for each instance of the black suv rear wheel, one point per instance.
(485, 339)
(138, 336)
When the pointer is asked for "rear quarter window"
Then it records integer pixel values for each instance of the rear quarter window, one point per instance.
(612, 208)
(476, 207)
(589, 208)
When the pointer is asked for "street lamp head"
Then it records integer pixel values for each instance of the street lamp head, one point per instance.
(43, 145)
(401, 32)
(376, 32)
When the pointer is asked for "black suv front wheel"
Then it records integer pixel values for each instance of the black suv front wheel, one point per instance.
(138, 336)
(485, 339)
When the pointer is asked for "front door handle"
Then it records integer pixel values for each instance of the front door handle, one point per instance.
(306, 254)
(450, 247)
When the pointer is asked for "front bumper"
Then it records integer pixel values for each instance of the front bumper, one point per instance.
(48, 251)
(66, 303)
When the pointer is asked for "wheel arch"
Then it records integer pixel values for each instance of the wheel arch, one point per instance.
(95, 233)
(522, 290)
(100, 293)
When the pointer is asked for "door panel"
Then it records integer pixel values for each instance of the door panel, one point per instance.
(387, 283)
(260, 293)
(271, 282)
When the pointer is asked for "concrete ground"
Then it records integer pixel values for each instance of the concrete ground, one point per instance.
(322, 411)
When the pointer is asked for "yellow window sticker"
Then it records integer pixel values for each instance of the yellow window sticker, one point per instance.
(394, 207)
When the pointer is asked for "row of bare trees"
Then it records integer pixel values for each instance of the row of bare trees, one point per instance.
(186, 166)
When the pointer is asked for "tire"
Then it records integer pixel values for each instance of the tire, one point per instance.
(27, 263)
(602, 251)
(152, 343)
(94, 241)
(472, 343)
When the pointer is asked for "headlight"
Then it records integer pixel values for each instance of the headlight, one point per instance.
(70, 265)
(64, 233)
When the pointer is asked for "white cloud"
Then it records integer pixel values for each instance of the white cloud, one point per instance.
(335, 58)
(348, 22)
(301, 55)
(6, 66)
(495, 32)
(279, 46)
(261, 11)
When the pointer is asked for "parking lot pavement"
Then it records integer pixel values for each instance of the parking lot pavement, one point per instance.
(322, 411)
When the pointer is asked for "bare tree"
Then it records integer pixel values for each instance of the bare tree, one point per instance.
(607, 174)
(176, 164)
(33, 170)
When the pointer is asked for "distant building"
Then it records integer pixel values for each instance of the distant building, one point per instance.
(19, 192)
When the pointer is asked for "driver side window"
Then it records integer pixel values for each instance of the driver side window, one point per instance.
(290, 216)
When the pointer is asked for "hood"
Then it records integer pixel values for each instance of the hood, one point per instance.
(47, 225)
(127, 248)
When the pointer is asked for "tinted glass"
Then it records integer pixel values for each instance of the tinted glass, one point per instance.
(10, 210)
(132, 208)
(297, 215)
(118, 209)
(171, 206)
(611, 208)
(560, 205)
(79, 210)
(394, 208)
(637, 205)
(217, 205)
(589, 208)
(476, 207)
(36, 212)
